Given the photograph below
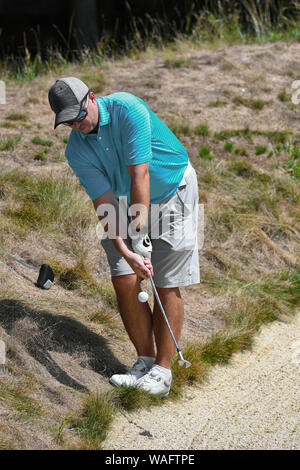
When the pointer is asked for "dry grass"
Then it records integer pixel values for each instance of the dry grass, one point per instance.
(64, 343)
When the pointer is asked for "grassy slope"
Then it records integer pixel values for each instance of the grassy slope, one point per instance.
(231, 108)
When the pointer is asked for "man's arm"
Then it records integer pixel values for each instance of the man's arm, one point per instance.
(140, 192)
(123, 247)
(107, 210)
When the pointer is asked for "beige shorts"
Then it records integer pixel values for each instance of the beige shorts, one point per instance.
(172, 227)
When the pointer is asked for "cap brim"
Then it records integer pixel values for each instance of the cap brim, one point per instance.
(67, 114)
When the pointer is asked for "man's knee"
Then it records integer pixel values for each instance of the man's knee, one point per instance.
(166, 292)
(125, 285)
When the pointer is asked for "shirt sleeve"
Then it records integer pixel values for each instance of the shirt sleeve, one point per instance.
(92, 179)
(136, 133)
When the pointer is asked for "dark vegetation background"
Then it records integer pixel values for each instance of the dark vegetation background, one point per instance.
(39, 27)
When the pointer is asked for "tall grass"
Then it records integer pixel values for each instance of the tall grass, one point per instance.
(46, 202)
(94, 420)
(201, 22)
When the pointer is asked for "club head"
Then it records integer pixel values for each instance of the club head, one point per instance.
(46, 277)
(183, 363)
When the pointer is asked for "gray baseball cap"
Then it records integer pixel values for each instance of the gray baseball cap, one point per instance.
(65, 98)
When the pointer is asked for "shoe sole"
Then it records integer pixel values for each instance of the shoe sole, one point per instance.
(160, 396)
(133, 386)
(120, 385)
(116, 384)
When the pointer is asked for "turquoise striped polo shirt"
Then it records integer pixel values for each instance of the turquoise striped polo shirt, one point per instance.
(129, 133)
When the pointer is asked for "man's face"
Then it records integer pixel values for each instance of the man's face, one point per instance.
(91, 120)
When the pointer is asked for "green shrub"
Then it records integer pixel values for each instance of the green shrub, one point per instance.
(205, 152)
(228, 146)
(10, 142)
(44, 142)
(202, 129)
(260, 149)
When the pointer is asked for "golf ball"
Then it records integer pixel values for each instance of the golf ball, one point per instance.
(143, 296)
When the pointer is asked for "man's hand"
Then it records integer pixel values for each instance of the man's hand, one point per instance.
(141, 266)
(142, 246)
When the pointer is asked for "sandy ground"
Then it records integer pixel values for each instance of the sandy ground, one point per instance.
(253, 403)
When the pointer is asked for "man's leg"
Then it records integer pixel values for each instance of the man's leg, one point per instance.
(159, 378)
(136, 316)
(173, 306)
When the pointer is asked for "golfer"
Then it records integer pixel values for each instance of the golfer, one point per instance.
(124, 155)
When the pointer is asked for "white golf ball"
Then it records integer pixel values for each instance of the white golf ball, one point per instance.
(143, 296)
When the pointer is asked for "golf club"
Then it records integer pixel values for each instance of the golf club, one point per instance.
(182, 362)
(46, 275)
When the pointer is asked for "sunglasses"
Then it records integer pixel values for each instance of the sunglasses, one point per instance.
(82, 114)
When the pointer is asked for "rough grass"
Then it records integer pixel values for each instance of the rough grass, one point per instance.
(94, 78)
(17, 117)
(94, 420)
(251, 305)
(249, 263)
(24, 406)
(45, 202)
(10, 142)
(80, 277)
(37, 140)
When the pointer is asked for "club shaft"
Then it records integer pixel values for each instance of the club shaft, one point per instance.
(165, 316)
(30, 266)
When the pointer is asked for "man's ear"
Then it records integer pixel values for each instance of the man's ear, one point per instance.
(92, 96)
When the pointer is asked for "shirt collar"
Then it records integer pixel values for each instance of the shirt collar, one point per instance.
(104, 116)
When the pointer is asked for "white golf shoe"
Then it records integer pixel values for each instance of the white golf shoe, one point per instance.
(157, 381)
(138, 370)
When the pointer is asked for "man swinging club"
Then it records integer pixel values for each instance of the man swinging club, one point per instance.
(120, 149)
